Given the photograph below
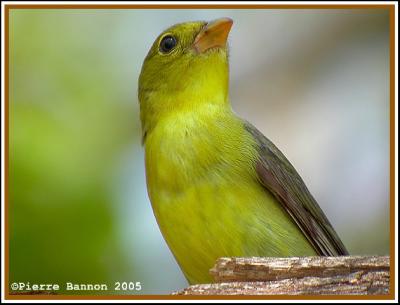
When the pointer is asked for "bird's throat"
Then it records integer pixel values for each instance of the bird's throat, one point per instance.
(184, 105)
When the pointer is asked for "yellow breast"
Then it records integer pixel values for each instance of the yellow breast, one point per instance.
(205, 194)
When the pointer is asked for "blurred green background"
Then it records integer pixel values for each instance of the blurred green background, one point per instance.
(316, 82)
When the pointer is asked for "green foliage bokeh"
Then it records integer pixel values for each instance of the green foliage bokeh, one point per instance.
(68, 121)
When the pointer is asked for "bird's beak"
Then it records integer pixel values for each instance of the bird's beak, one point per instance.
(214, 34)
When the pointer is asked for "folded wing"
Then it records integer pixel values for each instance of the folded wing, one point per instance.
(280, 178)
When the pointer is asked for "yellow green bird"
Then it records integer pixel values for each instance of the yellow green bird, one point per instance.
(217, 185)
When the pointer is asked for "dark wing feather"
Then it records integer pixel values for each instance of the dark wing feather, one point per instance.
(280, 178)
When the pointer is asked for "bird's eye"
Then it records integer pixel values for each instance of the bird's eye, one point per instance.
(167, 44)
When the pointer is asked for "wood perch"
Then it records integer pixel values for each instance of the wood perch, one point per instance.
(344, 275)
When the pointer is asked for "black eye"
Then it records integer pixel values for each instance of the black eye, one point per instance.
(167, 44)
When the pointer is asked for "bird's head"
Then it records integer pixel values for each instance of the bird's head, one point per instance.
(187, 66)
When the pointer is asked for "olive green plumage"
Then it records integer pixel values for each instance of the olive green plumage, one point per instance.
(217, 186)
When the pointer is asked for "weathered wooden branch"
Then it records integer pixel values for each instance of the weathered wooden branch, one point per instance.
(345, 275)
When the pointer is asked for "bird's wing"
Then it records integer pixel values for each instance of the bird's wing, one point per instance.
(280, 178)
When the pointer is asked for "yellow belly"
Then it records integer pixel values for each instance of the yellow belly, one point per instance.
(209, 221)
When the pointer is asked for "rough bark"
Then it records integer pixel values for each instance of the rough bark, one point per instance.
(345, 275)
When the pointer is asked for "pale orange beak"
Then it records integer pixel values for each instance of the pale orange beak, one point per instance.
(213, 35)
